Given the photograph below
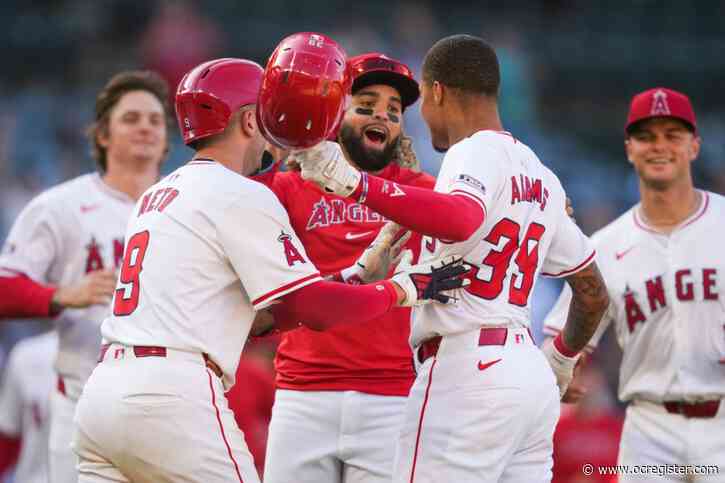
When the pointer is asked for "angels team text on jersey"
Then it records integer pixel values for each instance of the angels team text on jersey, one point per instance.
(645, 301)
(337, 211)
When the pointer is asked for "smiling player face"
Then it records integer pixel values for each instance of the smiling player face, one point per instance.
(661, 150)
(372, 126)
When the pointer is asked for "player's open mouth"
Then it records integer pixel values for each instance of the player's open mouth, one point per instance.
(376, 135)
(658, 161)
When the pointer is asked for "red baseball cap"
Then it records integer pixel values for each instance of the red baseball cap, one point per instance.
(660, 102)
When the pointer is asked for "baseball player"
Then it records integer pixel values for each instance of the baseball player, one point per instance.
(485, 401)
(664, 270)
(341, 393)
(61, 254)
(206, 247)
(27, 383)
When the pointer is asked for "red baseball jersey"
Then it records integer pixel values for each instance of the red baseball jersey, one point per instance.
(374, 357)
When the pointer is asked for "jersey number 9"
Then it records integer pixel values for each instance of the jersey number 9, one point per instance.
(130, 272)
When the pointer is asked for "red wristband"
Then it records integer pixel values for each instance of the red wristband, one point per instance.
(562, 348)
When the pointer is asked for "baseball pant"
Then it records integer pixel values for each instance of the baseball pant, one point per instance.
(332, 437)
(158, 419)
(480, 414)
(62, 460)
(652, 436)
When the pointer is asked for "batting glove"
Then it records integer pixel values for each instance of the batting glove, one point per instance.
(376, 261)
(326, 166)
(562, 365)
(431, 280)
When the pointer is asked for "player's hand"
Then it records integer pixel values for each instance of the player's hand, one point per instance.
(576, 390)
(376, 261)
(96, 288)
(432, 280)
(562, 365)
(405, 154)
(326, 166)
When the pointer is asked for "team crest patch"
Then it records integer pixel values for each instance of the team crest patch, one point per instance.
(471, 181)
(290, 251)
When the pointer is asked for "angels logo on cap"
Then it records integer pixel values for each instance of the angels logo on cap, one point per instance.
(659, 104)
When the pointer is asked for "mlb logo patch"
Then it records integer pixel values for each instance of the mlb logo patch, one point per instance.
(471, 181)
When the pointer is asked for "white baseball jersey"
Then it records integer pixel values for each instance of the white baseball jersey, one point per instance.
(206, 247)
(526, 231)
(27, 383)
(64, 233)
(667, 304)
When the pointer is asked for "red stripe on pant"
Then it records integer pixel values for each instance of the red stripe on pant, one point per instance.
(420, 422)
(219, 420)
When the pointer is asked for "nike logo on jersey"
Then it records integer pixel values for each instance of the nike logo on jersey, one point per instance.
(353, 236)
(87, 208)
(483, 367)
(621, 255)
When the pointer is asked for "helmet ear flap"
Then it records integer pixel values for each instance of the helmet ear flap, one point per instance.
(305, 91)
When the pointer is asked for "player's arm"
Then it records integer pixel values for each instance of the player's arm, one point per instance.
(589, 302)
(421, 210)
(325, 304)
(25, 298)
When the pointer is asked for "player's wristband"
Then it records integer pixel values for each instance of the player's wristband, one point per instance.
(560, 346)
(361, 192)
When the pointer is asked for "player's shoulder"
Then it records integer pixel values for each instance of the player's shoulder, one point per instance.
(286, 180)
(715, 202)
(618, 230)
(412, 178)
(69, 191)
(497, 141)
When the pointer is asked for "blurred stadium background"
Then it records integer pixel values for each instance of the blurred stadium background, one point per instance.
(569, 69)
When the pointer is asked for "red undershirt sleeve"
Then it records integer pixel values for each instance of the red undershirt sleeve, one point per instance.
(325, 304)
(444, 216)
(23, 297)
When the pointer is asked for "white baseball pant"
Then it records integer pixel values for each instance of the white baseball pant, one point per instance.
(158, 419)
(332, 437)
(480, 413)
(652, 436)
(62, 461)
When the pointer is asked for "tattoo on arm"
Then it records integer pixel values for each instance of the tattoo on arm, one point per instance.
(588, 304)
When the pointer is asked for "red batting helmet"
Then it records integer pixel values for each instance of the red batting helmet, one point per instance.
(305, 91)
(210, 92)
(376, 68)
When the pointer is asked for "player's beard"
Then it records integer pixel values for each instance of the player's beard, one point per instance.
(364, 158)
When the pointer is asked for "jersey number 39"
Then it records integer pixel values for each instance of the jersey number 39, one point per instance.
(526, 259)
(125, 300)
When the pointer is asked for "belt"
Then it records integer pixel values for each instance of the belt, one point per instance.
(157, 351)
(488, 336)
(705, 409)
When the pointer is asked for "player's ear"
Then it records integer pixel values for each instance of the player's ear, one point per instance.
(102, 134)
(695, 147)
(627, 149)
(438, 92)
(248, 122)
